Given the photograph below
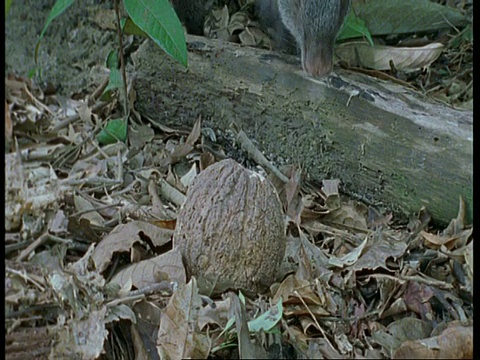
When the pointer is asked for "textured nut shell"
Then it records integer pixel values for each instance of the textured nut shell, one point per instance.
(231, 228)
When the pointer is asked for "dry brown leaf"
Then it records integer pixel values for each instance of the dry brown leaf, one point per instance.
(216, 313)
(82, 229)
(30, 188)
(399, 331)
(350, 258)
(246, 348)
(378, 251)
(450, 242)
(124, 236)
(253, 36)
(305, 270)
(294, 202)
(195, 133)
(297, 338)
(457, 224)
(182, 150)
(87, 211)
(344, 345)
(138, 340)
(332, 198)
(206, 159)
(216, 24)
(292, 291)
(187, 179)
(379, 57)
(139, 135)
(171, 193)
(353, 215)
(145, 330)
(417, 298)
(308, 324)
(319, 348)
(410, 328)
(81, 338)
(455, 342)
(317, 258)
(398, 307)
(179, 335)
(330, 187)
(165, 267)
(165, 224)
(299, 309)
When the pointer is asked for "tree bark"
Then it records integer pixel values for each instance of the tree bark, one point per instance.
(388, 145)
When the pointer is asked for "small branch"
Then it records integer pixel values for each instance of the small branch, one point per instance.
(122, 60)
(76, 117)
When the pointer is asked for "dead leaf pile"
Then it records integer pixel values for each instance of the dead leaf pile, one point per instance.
(91, 271)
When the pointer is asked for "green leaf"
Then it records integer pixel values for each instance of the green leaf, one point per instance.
(116, 130)
(129, 27)
(241, 297)
(115, 80)
(267, 320)
(389, 17)
(160, 22)
(59, 7)
(354, 27)
(8, 3)
(34, 72)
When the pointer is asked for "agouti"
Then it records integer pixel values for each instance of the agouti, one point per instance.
(312, 24)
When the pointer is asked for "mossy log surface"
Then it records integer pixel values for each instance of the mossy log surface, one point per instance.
(388, 145)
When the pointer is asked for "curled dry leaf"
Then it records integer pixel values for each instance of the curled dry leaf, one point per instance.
(81, 338)
(246, 348)
(253, 36)
(379, 57)
(179, 335)
(292, 287)
(433, 241)
(216, 313)
(87, 210)
(30, 188)
(350, 258)
(378, 250)
(455, 342)
(165, 267)
(124, 236)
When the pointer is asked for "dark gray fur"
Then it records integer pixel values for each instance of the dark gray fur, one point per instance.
(192, 13)
(308, 26)
(314, 24)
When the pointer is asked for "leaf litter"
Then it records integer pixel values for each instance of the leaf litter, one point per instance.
(91, 269)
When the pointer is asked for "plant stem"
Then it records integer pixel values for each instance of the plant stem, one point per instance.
(122, 61)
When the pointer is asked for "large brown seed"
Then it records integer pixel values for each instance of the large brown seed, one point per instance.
(231, 229)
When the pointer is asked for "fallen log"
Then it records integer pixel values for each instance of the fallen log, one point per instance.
(389, 146)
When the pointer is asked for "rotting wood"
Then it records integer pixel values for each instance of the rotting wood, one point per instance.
(389, 146)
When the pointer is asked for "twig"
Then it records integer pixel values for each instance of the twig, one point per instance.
(76, 117)
(418, 278)
(98, 208)
(99, 90)
(26, 277)
(256, 154)
(139, 294)
(122, 61)
(314, 319)
(39, 241)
